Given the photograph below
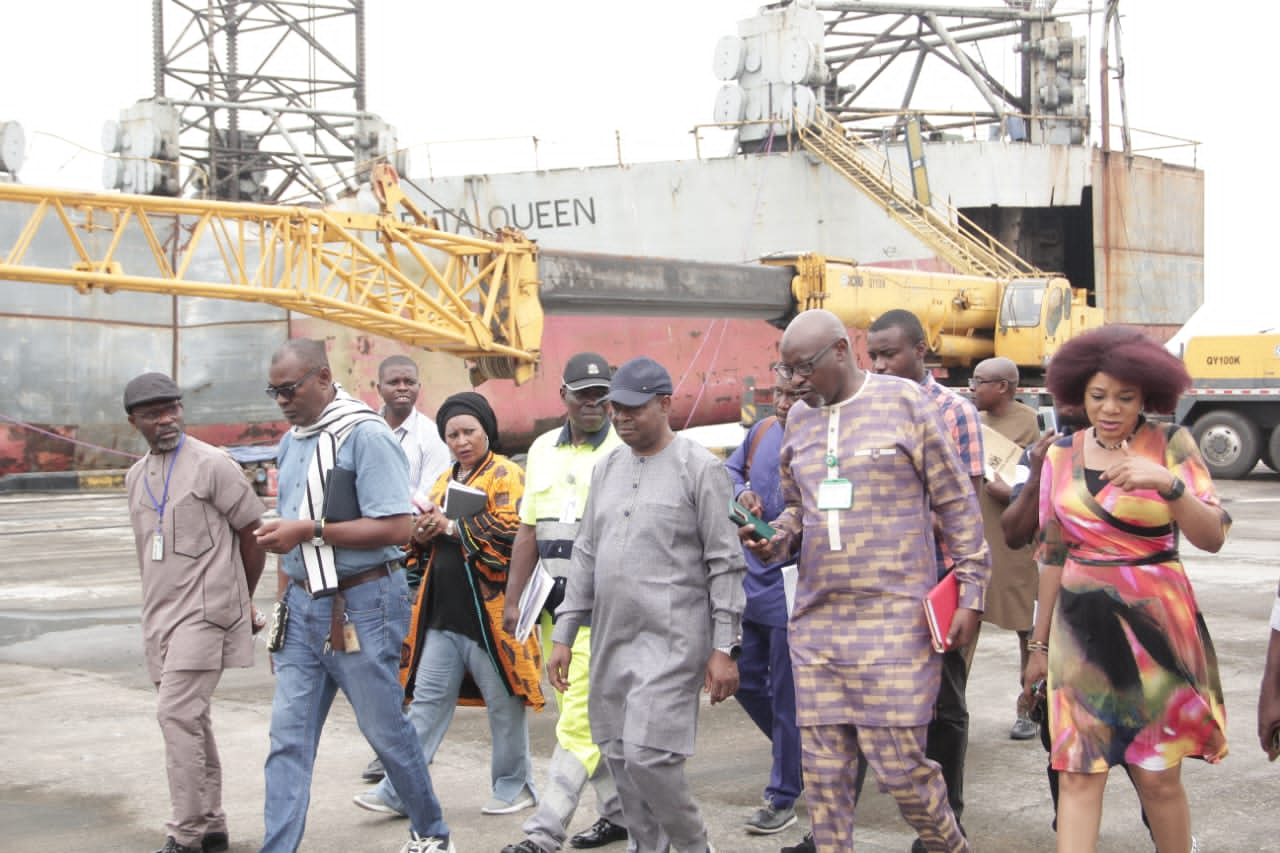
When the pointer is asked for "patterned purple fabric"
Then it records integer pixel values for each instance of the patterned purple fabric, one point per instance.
(859, 642)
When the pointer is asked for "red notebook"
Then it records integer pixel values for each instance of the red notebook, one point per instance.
(940, 607)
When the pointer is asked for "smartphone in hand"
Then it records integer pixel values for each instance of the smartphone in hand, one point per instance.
(739, 515)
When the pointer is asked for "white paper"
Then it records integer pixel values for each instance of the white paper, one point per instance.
(532, 599)
(789, 574)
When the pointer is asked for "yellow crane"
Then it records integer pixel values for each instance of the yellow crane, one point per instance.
(390, 273)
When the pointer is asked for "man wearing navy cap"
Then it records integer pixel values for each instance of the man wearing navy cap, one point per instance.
(193, 515)
(657, 571)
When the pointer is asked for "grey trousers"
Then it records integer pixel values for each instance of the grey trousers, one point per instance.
(567, 777)
(191, 755)
(659, 808)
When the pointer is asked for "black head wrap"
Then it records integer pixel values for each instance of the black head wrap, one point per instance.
(469, 403)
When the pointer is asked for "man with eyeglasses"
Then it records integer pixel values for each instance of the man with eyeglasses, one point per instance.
(866, 464)
(193, 515)
(1011, 595)
(345, 595)
(557, 482)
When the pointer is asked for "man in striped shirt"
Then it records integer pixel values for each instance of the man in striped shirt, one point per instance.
(896, 345)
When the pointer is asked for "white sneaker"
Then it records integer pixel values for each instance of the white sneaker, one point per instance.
(427, 844)
(522, 801)
(370, 800)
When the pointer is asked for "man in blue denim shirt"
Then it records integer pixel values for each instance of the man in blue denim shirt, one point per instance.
(348, 602)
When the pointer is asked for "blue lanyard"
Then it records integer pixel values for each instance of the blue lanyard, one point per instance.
(163, 502)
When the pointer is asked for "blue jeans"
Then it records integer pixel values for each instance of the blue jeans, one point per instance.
(307, 679)
(767, 692)
(445, 658)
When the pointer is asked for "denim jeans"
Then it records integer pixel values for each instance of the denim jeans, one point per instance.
(445, 658)
(308, 678)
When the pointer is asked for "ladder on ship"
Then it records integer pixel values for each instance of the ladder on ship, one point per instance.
(969, 249)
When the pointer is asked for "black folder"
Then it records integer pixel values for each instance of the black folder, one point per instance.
(341, 503)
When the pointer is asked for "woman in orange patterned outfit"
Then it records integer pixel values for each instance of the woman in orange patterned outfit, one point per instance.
(457, 650)
(1132, 675)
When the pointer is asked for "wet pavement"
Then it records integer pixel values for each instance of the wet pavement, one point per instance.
(83, 765)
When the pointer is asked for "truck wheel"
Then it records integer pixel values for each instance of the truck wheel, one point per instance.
(1229, 442)
(1271, 454)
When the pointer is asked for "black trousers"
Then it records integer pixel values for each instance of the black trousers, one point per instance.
(949, 731)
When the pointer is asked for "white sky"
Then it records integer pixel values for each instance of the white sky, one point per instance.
(573, 70)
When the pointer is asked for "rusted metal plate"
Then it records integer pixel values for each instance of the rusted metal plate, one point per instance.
(1148, 220)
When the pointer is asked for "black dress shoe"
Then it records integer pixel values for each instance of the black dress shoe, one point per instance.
(602, 832)
(215, 842)
(172, 846)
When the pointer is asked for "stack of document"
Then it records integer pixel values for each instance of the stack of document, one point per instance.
(532, 600)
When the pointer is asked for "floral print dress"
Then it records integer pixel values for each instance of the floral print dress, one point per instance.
(1133, 678)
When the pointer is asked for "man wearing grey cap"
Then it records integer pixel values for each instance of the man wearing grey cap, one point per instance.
(557, 478)
(658, 571)
(193, 515)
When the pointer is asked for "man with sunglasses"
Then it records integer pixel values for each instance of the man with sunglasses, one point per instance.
(865, 463)
(344, 591)
(557, 480)
(193, 516)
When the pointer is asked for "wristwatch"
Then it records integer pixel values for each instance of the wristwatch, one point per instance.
(317, 533)
(1176, 488)
(734, 650)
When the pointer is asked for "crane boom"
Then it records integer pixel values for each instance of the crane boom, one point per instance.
(389, 275)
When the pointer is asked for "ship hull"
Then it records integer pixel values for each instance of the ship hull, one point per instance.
(1130, 231)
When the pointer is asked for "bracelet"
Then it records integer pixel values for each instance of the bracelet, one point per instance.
(1033, 646)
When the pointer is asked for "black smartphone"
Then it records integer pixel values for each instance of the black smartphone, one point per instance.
(739, 515)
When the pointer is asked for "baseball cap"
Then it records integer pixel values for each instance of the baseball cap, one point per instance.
(586, 370)
(639, 381)
(149, 388)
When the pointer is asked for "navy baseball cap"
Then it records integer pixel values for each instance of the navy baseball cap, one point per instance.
(638, 381)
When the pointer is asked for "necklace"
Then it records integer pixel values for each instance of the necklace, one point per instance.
(1121, 443)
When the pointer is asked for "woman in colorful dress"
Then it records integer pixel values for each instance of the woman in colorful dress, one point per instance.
(1132, 675)
(458, 652)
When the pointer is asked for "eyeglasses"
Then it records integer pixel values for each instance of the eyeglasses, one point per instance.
(288, 392)
(804, 368)
(974, 382)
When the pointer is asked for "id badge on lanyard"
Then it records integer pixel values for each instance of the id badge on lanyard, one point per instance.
(835, 493)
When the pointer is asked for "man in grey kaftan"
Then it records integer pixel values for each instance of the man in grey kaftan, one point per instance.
(658, 571)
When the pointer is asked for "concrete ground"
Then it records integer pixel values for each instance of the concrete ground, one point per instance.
(83, 766)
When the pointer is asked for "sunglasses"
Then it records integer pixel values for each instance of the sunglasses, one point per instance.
(288, 392)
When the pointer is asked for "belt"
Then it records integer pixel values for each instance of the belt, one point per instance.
(359, 577)
(338, 617)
